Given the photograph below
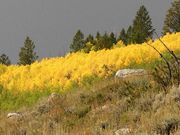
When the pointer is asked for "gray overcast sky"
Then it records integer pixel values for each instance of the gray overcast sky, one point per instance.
(51, 24)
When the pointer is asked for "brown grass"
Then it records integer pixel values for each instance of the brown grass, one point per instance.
(109, 105)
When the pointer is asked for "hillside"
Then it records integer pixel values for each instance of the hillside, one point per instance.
(135, 106)
(90, 67)
(68, 72)
(79, 95)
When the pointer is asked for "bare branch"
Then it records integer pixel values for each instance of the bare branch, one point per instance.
(170, 51)
(169, 67)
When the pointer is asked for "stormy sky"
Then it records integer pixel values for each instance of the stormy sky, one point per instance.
(51, 24)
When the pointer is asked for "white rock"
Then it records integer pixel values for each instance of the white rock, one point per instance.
(53, 97)
(105, 107)
(123, 131)
(127, 72)
(14, 116)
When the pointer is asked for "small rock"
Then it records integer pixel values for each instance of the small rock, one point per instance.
(14, 116)
(105, 107)
(53, 98)
(108, 108)
(129, 72)
(123, 131)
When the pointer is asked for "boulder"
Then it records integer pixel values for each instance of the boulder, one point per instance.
(123, 73)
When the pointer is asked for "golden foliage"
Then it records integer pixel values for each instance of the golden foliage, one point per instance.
(64, 71)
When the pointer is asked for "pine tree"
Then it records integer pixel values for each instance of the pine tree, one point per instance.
(112, 38)
(27, 55)
(98, 35)
(90, 39)
(129, 35)
(4, 59)
(78, 42)
(97, 41)
(172, 20)
(107, 41)
(123, 36)
(104, 42)
(142, 26)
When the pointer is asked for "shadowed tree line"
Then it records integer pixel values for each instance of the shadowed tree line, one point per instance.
(140, 31)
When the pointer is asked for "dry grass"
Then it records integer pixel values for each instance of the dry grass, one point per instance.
(108, 106)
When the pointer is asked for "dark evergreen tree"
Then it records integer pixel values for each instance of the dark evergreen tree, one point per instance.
(129, 35)
(98, 35)
(142, 26)
(172, 20)
(96, 41)
(107, 41)
(123, 36)
(4, 59)
(78, 42)
(90, 39)
(27, 54)
(113, 38)
(104, 42)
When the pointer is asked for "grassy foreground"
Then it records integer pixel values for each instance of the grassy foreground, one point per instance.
(134, 103)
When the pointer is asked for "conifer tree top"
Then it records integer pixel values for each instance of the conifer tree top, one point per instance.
(27, 54)
(142, 26)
